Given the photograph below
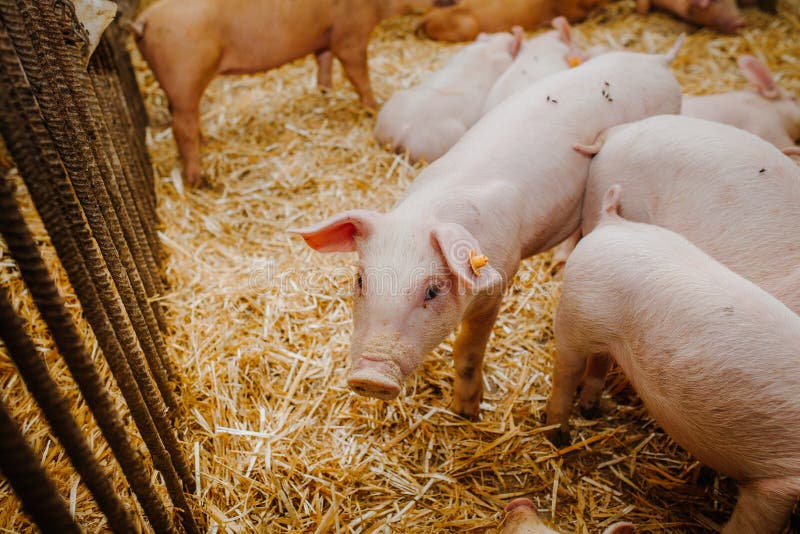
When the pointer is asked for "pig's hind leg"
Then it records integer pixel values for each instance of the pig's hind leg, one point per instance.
(468, 352)
(764, 506)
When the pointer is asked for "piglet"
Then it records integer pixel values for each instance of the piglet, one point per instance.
(538, 58)
(521, 518)
(713, 356)
(427, 120)
(767, 111)
(467, 18)
(187, 44)
(510, 188)
(722, 15)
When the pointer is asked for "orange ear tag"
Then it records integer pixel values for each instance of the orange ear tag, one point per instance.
(574, 61)
(476, 261)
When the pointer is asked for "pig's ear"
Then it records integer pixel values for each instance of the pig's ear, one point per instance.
(455, 243)
(561, 25)
(621, 528)
(339, 233)
(516, 44)
(759, 75)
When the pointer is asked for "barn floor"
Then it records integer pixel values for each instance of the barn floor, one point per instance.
(261, 325)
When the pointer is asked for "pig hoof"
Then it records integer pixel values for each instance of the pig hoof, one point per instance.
(472, 414)
(559, 437)
(591, 411)
(369, 383)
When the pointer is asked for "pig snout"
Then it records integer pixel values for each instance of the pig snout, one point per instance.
(381, 367)
(521, 518)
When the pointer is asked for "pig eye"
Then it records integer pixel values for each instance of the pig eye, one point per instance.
(432, 292)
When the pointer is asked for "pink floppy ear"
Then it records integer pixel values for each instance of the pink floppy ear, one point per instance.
(759, 75)
(338, 234)
(455, 242)
(561, 25)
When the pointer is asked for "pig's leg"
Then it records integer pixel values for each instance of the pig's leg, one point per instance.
(468, 353)
(325, 70)
(562, 251)
(354, 61)
(764, 506)
(593, 383)
(184, 87)
(569, 368)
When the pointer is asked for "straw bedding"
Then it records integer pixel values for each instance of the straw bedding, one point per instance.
(260, 327)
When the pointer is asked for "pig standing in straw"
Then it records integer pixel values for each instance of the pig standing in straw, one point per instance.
(732, 194)
(713, 357)
(188, 43)
(768, 112)
(427, 120)
(510, 188)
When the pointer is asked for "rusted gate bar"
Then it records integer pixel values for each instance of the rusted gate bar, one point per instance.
(70, 109)
(55, 406)
(133, 196)
(71, 346)
(29, 140)
(21, 467)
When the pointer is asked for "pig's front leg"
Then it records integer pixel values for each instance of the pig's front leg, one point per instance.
(468, 353)
(325, 70)
(186, 129)
(764, 506)
(353, 55)
(569, 368)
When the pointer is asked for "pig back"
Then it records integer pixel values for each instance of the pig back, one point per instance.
(729, 192)
(712, 356)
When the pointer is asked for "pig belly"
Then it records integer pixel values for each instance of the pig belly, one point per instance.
(720, 413)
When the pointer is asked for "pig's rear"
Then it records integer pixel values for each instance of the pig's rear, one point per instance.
(713, 357)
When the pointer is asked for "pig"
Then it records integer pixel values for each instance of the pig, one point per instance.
(722, 15)
(546, 54)
(731, 193)
(427, 120)
(464, 20)
(713, 356)
(768, 112)
(510, 188)
(187, 44)
(770, 6)
(521, 518)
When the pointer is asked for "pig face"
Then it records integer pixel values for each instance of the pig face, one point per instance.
(412, 285)
(723, 15)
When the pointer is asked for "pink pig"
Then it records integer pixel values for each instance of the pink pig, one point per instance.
(187, 44)
(510, 188)
(521, 518)
(713, 357)
(723, 15)
(427, 120)
(539, 57)
(768, 112)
